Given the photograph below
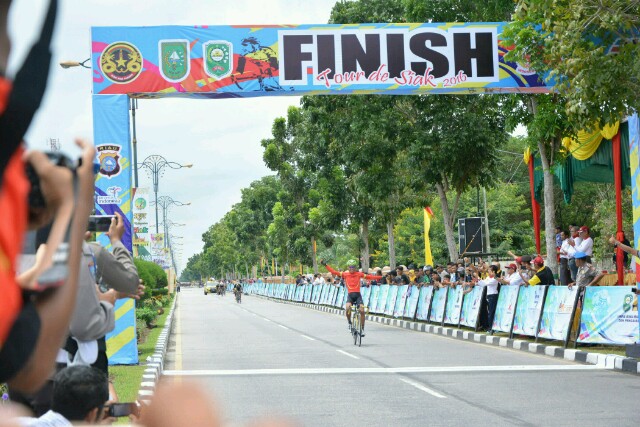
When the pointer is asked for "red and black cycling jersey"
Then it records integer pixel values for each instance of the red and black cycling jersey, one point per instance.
(352, 279)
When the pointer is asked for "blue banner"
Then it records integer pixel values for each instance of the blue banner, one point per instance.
(412, 302)
(340, 298)
(391, 300)
(471, 306)
(557, 312)
(528, 310)
(506, 309)
(366, 292)
(382, 298)
(373, 300)
(122, 347)
(424, 302)
(438, 305)
(609, 316)
(454, 305)
(401, 301)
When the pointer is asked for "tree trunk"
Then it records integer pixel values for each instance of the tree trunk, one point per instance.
(392, 245)
(549, 208)
(447, 218)
(314, 258)
(365, 247)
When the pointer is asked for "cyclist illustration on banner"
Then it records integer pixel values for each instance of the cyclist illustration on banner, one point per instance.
(257, 62)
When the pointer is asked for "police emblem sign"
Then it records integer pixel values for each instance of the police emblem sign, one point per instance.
(174, 59)
(109, 157)
(218, 56)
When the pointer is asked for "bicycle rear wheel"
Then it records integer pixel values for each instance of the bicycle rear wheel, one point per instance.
(355, 329)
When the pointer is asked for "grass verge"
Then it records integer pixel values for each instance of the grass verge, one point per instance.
(126, 378)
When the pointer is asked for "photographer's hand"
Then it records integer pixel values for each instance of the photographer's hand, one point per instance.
(116, 229)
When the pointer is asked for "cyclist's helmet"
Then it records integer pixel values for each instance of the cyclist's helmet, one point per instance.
(352, 263)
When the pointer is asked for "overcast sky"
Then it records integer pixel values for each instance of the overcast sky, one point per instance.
(220, 137)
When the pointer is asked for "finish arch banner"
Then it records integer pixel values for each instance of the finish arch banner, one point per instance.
(528, 310)
(454, 305)
(438, 305)
(412, 302)
(471, 307)
(506, 309)
(253, 60)
(609, 316)
(391, 300)
(557, 314)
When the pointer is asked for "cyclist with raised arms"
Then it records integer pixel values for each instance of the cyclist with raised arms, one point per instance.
(352, 280)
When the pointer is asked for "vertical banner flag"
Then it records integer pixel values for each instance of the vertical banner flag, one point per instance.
(428, 258)
(557, 312)
(634, 160)
(506, 309)
(141, 239)
(528, 310)
(438, 305)
(424, 302)
(158, 251)
(113, 194)
(471, 307)
(609, 316)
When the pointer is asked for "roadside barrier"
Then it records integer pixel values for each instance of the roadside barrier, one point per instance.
(609, 314)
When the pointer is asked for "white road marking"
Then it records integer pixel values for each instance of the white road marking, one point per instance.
(348, 354)
(306, 337)
(423, 388)
(284, 327)
(406, 370)
(266, 320)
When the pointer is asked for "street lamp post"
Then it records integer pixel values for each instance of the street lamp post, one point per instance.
(165, 202)
(155, 165)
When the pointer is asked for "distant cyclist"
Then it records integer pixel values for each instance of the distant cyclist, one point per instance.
(351, 279)
(237, 290)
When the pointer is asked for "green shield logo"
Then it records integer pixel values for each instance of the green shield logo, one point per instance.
(174, 59)
(218, 56)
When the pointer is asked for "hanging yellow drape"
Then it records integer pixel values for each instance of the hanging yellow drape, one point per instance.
(526, 156)
(428, 213)
(588, 142)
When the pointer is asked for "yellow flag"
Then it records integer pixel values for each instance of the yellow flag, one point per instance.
(428, 213)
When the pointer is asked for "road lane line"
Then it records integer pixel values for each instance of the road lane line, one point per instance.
(266, 320)
(404, 370)
(284, 327)
(423, 388)
(348, 354)
(306, 337)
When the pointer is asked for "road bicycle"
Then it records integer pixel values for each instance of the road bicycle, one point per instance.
(238, 297)
(356, 326)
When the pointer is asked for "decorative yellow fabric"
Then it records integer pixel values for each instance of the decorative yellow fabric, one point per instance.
(527, 156)
(588, 142)
(428, 258)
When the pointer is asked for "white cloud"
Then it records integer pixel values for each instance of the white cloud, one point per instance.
(221, 137)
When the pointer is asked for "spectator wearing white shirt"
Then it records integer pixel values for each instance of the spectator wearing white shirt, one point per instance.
(585, 244)
(566, 252)
(512, 277)
(492, 295)
(574, 239)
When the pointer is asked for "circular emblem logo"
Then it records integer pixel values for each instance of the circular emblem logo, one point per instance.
(217, 54)
(140, 203)
(121, 62)
(109, 164)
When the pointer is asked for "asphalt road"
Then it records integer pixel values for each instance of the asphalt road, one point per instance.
(263, 357)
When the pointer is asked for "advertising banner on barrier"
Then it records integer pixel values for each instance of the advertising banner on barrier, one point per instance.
(438, 305)
(382, 298)
(401, 300)
(391, 300)
(528, 310)
(307, 293)
(366, 292)
(412, 302)
(424, 302)
(609, 316)
(471, 307)
(505, 309)
(454, 305)
(333, 295)
(323, 294)
(373, 299)
(340, 298)
(254, 60)
(557, 312)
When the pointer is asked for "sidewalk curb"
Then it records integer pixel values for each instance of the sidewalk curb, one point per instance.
(155, 362)
(608, 361)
